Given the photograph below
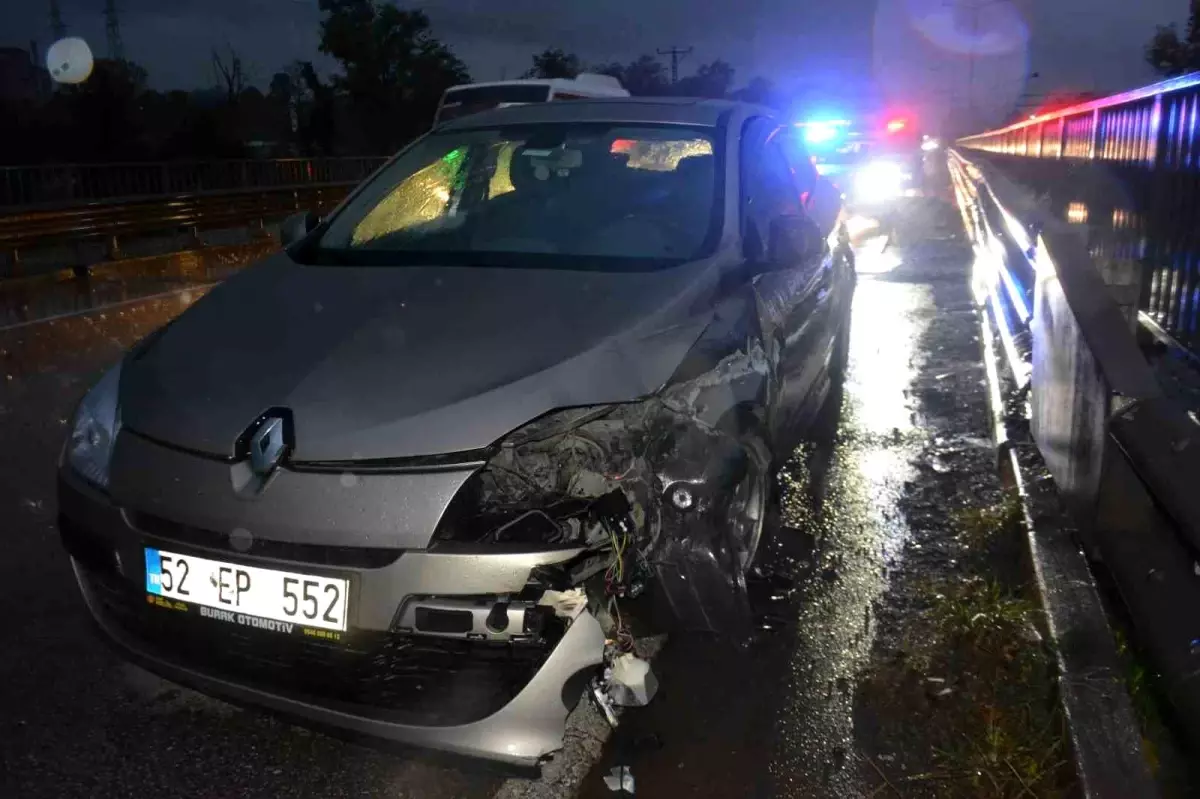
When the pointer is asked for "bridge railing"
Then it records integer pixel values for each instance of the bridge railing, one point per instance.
(1154, 126)
(69, 184)
(1123, 453)
(1125, 170)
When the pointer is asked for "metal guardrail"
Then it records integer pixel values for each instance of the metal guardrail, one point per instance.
(1154, 126)
(62, 184)
(1125, 458)
(183, 213)
(1125, 169)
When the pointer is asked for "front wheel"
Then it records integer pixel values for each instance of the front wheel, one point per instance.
(747, 508)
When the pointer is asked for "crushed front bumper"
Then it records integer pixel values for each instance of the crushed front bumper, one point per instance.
(380, 680)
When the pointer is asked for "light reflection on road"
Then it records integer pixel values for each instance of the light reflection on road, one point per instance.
(848, 497)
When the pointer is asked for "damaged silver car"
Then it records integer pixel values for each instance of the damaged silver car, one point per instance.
(418, 475)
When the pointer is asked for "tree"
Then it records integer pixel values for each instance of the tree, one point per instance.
(229, 72)
(554, 63)
(711, 80)
(1168, 54)
(315, 109)
(280, 88)
(644, 77)
(395, 70)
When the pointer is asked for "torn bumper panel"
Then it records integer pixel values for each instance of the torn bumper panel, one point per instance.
(522, 733)
(502, 697)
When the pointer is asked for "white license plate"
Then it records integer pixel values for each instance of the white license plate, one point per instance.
(303, 599)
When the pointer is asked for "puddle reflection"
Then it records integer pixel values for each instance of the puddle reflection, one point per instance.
(847, 497)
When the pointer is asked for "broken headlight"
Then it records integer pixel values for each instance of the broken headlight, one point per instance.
(94, 429)
(538, 487)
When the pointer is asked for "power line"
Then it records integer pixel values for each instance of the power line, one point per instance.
(676, 54)
(112, 27)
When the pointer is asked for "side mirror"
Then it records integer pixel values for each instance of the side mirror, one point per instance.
(793, 241)
(296, 227)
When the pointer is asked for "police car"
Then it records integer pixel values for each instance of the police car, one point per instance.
(873, 164)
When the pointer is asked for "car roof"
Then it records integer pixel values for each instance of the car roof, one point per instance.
(603, 84)
(647, 110)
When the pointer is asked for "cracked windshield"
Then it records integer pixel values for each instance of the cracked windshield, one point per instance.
(548, 400)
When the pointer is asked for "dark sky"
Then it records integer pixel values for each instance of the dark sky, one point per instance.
(915, 50)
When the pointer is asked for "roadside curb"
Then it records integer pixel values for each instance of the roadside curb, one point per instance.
(1104, 731)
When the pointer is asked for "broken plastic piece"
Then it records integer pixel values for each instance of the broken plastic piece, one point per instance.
(620, 778)
(633, 684)
(604, 702)
(566, 604)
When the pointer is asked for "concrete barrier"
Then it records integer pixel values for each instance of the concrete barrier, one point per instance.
(1126, 458)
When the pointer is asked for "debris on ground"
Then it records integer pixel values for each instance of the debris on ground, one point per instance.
(632, 683)
(620, 780)
(604, 703)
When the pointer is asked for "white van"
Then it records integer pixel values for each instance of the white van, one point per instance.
(474, 97)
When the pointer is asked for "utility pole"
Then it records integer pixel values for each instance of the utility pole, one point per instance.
(57, 28)
(112, 27)
(676, 53)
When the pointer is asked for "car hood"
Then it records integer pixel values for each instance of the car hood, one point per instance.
(391, 362)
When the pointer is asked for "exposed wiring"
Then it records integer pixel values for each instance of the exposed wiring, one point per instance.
(615, 575)
(640, 457)
(528, 481)
(623, 639)
(575, 435)
(558, 536)
(614, 583)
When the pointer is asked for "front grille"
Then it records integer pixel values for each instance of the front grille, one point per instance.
(316, 554)
(389, 676)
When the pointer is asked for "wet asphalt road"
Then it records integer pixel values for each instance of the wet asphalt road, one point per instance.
(775, 719)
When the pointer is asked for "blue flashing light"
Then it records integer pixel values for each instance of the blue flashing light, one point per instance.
(823, 131)
(820, 133)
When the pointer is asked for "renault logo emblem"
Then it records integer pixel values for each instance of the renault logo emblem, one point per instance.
(267, 446)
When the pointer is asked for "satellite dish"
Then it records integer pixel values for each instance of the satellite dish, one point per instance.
(69, 60)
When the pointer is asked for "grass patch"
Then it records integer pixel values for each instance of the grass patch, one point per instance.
(972, 689)
(1139, 683)
(982, 529)
(1174, 772)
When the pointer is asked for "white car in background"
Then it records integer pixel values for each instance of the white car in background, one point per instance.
(470, 98)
